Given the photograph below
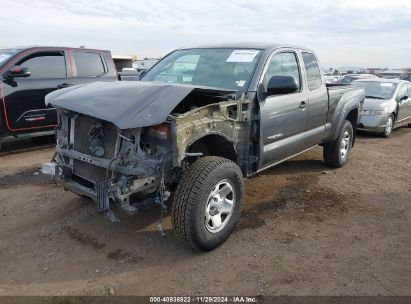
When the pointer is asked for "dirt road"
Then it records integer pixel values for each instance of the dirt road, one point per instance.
(306, 230)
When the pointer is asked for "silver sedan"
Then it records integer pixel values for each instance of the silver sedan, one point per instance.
(387, 105)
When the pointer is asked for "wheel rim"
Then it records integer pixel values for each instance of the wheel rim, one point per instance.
(220, 206)
(388, 126)
(345, 144)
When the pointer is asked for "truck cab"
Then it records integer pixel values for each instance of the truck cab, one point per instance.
(27, 75)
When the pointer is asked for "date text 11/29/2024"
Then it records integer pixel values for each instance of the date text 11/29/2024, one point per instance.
(204, 299)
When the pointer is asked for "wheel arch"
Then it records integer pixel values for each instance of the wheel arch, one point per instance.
(214, 144)
(352, 117)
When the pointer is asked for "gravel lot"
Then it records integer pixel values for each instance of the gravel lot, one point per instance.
(306, 230)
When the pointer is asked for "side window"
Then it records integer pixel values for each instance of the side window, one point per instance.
(402, 91)
(45, 65)
(283, 64)
(312, 70)
(409, 90)
(88, 64)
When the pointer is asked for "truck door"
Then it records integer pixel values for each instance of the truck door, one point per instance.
(24, 97)
(283, 117)
(89, 66)
(317, 100)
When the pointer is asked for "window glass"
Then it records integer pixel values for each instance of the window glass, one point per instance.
(221, 68)
(377, 89)
(283, 64)
(45, 65)
(402, 91)
(312, 70)
(6, 54)
(181, 69)
(349, 79)
(88, 64)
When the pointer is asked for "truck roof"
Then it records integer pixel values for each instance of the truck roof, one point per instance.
(21, 48)
(247, 45)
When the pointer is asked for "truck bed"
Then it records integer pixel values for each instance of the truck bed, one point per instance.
(337, 93)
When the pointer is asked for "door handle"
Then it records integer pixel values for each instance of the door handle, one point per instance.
(64, 85)
(302, 105)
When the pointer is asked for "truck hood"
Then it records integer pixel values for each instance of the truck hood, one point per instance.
(126, 104)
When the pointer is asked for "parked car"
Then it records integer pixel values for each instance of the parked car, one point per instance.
(197, 131)
(406, 76)
(27, 75)
(330, 79)
(387, 105)
(347, 79)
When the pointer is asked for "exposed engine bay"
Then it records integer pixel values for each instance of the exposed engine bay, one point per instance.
(136, 167)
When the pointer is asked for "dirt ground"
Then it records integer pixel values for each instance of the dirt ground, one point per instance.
(306, 230)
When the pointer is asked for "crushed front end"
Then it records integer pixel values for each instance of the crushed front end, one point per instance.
(110, 165)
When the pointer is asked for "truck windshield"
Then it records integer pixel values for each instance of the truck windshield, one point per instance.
(224, 68)
(6, 54)
(377, 89)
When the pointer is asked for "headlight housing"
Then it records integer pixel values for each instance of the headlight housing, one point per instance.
(373, 112)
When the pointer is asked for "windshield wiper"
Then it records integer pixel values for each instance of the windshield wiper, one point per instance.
(375, 97)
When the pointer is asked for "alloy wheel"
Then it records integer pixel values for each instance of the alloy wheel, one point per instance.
(345, 144)
(220, 206)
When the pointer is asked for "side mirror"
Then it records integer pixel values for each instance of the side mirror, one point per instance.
(405, 97)
(18, 71)
(281, 85)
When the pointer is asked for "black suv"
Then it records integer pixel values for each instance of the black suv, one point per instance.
(27, 75)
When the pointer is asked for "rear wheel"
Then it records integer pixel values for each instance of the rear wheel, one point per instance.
(389, 125)
(337, 152)
(207, 203)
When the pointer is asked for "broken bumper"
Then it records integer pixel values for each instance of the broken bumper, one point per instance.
(101, 189)
(373, 123)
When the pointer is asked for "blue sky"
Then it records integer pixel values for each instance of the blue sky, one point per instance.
(351, 32)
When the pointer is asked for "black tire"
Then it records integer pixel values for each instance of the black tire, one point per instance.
(192, 198)
(44, 140)
(333, 156)
(388, 127)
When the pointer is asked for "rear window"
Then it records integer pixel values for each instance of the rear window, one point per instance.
(312, 70)
(88, 64)
(45, 65)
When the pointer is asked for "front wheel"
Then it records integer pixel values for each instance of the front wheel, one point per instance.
(337, 152)
(207, 203)
(389, 125)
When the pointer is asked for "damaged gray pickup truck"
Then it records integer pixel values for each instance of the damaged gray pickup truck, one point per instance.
(199, 122)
